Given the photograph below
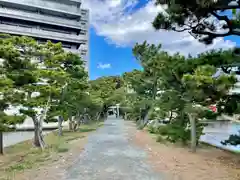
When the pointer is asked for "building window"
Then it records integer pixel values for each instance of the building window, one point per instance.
(55, 30)
(78, 19)
(66, 46)
(83, 32)
(83, 12)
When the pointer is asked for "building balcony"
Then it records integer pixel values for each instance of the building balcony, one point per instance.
(75, 51)
(33, 32)
(77, 1)
(18, 14)
(82, 54)
(44, 5)
(72, 2)
(84, 14)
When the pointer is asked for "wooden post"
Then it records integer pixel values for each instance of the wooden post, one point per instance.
(60, 121)
(117, 109)
(1, 143)
(193, 132)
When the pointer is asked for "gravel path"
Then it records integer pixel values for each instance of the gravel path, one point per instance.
(109, 155)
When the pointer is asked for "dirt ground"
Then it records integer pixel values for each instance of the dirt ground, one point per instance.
(51, 164)
(56, 167)
(179, 163)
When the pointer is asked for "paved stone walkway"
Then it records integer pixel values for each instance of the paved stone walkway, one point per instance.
(109, 156)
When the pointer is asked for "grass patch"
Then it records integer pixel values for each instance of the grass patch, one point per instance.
(20, 166)
(24, 156)
(140, 126)
(160, 139)
(86, 129)
(90, 127)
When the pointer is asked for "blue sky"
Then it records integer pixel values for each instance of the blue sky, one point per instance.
(120, 58)
(116, 25)
(117, 60)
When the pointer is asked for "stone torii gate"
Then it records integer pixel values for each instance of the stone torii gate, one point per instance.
(115, 109)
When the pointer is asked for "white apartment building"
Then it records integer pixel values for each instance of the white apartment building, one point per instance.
(56, 20)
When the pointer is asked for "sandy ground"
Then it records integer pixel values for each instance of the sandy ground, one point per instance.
(180, 164)
(174, 163)
(55, 168)
(109, 155)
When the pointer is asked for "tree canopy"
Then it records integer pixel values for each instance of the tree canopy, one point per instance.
(203, 19)
(50, 84)
(42, 82)
(178, 89)
(104, 87)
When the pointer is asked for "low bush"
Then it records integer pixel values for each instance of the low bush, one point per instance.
(151, 129)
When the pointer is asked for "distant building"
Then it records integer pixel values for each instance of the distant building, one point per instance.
(56, 20)
(236, 88)
(129, 89)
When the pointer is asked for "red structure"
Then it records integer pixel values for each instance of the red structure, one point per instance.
(213, 108)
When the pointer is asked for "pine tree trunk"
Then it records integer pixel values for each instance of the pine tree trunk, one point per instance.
(75, 126)
(38, 136)
(85, 118)
(193, 133)
(105, 114)
(76, 121)
(118, 112)
(97, 116)
(1, 143)
(70, 124)
(146, 118)
(171, 116)
(79, 120)
(149, 109)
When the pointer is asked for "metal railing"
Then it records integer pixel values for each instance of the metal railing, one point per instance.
(50, 5)
(34, 32)
(18, 14)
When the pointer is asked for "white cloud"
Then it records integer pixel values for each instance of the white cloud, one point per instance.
(115, 3)
(104, 66)
(121, 25)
